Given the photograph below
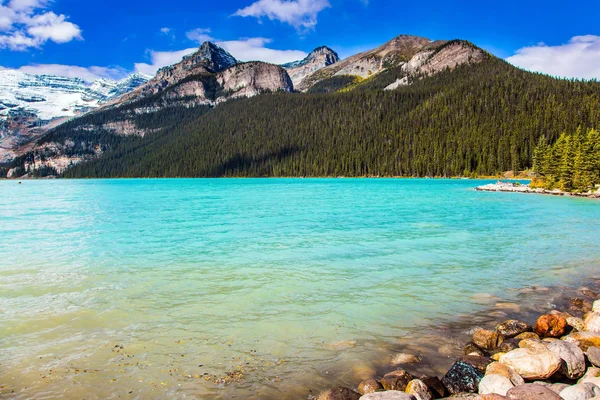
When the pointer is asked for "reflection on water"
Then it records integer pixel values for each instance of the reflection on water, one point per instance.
(264, 288)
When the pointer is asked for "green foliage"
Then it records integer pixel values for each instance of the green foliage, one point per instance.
(572, 163)
(334, 84)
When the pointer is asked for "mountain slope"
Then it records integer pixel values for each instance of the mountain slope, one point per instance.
(319, 58)
(479, 118)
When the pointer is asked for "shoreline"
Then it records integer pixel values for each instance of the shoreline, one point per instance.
(447, 352)
(526, 189)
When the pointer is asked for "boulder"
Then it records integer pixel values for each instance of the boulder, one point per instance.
(592, 322)
(584, 339)
(532, 392)
(339, 393)
(593, 355)
(592, 376)
(497, 384)
(396, 380)
(369, 386)
(497, 368)
(419, 389)
(533, 362)
(471, 349)
(462, 378)
(436, 386)
(509, 345)
(512, 327)
(527, 335)
(573, 358)
(479, 362)
(596, 306)
(405, 358)
(582, 391)
(487, 340)
(389, 395)
(550, 326)
(576, 323)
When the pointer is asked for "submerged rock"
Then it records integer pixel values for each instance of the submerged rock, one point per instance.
(405, 358)
(550, 325)
(511, 328)
(532, 392)
(339, 393)
(462, 378)
(396, 380)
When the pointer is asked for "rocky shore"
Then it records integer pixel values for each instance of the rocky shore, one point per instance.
(518, 188)
(552, 356)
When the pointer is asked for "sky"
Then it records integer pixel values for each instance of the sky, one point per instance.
(112, 39)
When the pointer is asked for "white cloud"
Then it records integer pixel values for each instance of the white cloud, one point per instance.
(253, 49)
(250, 49)
(579, 58)
(165, 31)
(199, 35)
(24, 24)
(301, 14)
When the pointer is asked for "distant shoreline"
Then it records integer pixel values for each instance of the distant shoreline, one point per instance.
(513, 188)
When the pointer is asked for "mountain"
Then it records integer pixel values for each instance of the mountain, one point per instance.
(319, 58)
(427, 108)
(30, 104)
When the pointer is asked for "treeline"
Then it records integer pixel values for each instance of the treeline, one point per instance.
(572, 163)
(475, 120)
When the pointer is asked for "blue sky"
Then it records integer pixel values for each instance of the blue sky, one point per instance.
(113, 38)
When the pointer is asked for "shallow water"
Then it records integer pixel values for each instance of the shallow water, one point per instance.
(288, 285)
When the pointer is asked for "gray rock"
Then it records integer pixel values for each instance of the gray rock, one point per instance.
(574, 359)
(389, 395)
(419, 389)
(532, 392)
(582, 391)
(497, 384)
(592, 376)
(511, 328)
(593, 355)
(534, 362)
(462, 378)
(592, 322)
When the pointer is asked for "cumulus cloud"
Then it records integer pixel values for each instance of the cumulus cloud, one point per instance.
(26, 23)
(301, 14)
(249, 49)
(165, 31)
(579, 58)
(199, 35)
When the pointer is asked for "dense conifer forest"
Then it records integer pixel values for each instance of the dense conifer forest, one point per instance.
(479, 119)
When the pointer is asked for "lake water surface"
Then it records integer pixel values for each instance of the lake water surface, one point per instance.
(155, 288)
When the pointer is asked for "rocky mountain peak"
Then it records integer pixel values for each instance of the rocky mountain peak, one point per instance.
(320, 57)
(217, 58)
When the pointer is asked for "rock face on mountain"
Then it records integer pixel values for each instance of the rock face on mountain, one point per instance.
(319, 58)
(415, 56)
(365, 64)
(209, 58)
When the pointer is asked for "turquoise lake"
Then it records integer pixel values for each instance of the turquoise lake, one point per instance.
(256, 288)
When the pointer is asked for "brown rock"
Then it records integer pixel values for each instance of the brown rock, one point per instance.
(549, 325)
(339, 393)
(585, 340)
(509, 345)
(419, 389)
(589, 293)
(436, 386)
(369, 386)
(472, 349)
(396, 380)
(532, 392)
(497, 368)
(527, 335)
(487, 340)
(512, 327)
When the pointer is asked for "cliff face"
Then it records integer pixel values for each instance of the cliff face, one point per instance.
(319, 58)
(250, 79)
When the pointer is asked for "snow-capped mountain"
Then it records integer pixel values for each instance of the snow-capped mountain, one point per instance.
(50, 96)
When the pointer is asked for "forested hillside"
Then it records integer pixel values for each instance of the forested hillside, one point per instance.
(477, 119)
